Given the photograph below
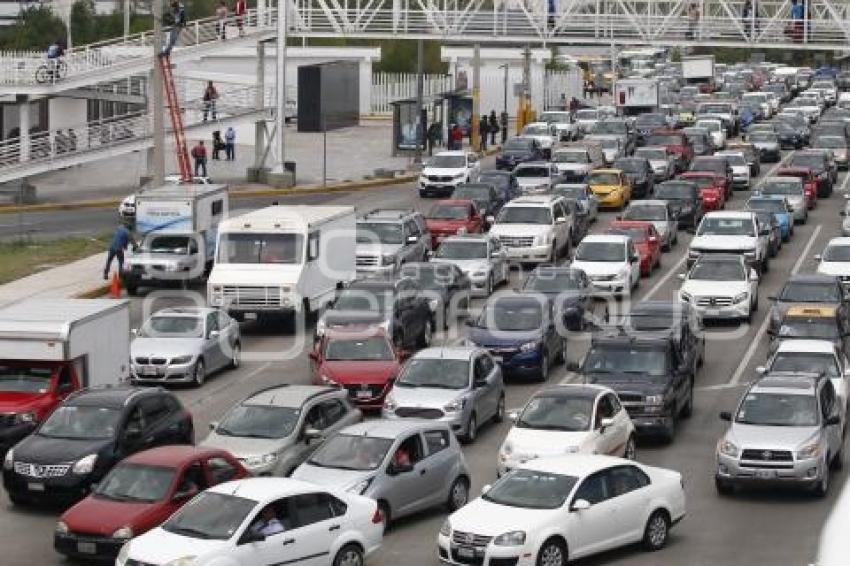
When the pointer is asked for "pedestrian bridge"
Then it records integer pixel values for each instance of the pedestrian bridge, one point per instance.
(519, 22)
(114, 137)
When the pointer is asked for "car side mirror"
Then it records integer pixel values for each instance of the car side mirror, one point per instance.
(213, 425)
(634, 259)
(580, 505)
(214, 334)
(132, 433)
(681, 276)
(842, 213)
(486, 488)
(761, 370)
(490, 219)
(513, 416)
(605, 423)
(404, 355)
(412, 239)
(560, 220)
(725, 416)
(185, 494)
(311, 434)
(754, 276)
(479, 382)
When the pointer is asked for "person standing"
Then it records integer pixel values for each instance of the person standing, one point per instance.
(221, 24)
(199, 154)
(210, 96)
(230, 144)
(457, 137)
(239, 10)
(503, 120)
(217, 145)
(693, 20)
(797, 14)
(72, 140)
(493, 125)
(746, 17)
(483, 130)
(178, 15)
(120, 240)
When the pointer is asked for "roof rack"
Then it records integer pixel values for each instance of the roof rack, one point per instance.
(388, 213)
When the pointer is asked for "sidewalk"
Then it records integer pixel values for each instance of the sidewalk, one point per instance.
(82, 278)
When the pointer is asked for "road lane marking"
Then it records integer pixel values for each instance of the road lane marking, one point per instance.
(745, 361)
(666, 277)
(202, 400)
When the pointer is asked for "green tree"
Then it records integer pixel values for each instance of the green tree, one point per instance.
(36, 28)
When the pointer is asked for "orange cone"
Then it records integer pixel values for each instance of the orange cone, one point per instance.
(115, 286)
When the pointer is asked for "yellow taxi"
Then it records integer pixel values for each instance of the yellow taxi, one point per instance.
(611, 187)
(812, 322)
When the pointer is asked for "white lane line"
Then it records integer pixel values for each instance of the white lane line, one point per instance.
(571, 377)
(230, 383)
(661, 282)
(745, 361)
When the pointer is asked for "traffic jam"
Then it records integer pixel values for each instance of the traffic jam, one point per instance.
(493, 372)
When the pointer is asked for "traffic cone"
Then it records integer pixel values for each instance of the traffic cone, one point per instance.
(115, 286)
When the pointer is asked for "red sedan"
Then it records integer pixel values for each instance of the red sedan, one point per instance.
(365, 362)
(713, 189)
(810, 182)
(450, 217)
(139, 493)
(646, 240)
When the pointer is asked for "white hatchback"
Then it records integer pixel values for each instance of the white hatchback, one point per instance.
(551, 510)
(611, 262)
(263, 521)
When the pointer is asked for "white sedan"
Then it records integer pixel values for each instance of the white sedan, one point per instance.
(551, 510)
(568, 419)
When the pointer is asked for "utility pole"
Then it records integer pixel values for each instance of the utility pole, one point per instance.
(506, 66)
(157, 168)
(279, 169)
(126, 18)
(420, 95)
(475, 138)
(525, 102)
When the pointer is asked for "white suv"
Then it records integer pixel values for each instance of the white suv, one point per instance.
(446, 170)
(721, 286)
(535, 229)
(734, 232)
(611, 262)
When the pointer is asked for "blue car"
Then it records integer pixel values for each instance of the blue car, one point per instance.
(777, 205)
(518, 329)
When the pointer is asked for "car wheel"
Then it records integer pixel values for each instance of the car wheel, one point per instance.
(500, 410)
(723, 487)
(657, 530)
(688, 409)
(349, 555)
(838, 460)
(630, 451)
(458, 494)
(199, 375)
(822, 487)
(552, 553)
(235, 356)
(471, 430)
(669, 432)
(544, 366)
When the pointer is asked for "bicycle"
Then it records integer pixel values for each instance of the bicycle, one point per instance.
(52, 71)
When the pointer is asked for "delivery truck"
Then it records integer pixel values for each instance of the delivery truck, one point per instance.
(50, 348)
(177, 227)
(698, 70)
(635, 96)
(282, 260)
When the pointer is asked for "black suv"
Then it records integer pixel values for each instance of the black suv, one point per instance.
(400, 307)
(639, 173)
(654, 382)
(86, 435)
(518, 150)
(684, 197)
(675, 319)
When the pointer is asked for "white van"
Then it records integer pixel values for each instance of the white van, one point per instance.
(283, 260)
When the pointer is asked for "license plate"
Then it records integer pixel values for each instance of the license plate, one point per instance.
(465, 552)
(149, 371)
(363, 394)
(86, 548)
(35, 486)
(712, 312)
(145, 277)
(765, 474)
(498, 359)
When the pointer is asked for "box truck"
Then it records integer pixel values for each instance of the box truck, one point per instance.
(177, 226)
(283, 260)
(50, 348)
(699, 70)
(633, 96)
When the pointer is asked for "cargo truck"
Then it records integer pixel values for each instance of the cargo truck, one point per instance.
(698, 70)
(635, 96)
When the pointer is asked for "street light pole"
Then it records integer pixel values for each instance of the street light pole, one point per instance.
(505, 103)
(420, 95)
(280, 116)
(157, 168)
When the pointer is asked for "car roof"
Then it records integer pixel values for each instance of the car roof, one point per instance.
(650, 202)
(453, 202)
(386, 428)
(188, 312)
(786, 178)
(578, 465)
(613, 238)
(572, 390)
(109, 396)
(786, 383)
(264, 488)
(741, 214)
(607, 170)
(173, 456)
(447, 353)
(806, 346)
(453, 153)
(652, 147)
(287, 395)
(533, 200)
(484, 237)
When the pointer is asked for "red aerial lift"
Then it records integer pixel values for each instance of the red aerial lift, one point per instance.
(176, 119)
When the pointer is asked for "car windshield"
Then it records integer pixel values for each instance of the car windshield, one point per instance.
(555, 117)
(517, 144)
(25, 379)
(447, 162)
(716, 166)
(638, 235)
(795, 362)
(811, 161)
(173, 326)
(497, 179)
(361, 300)
(375, 348)
(511, 316)
(459, 249)
(435, 372)
(630, 165)
(718, 271)
(570, 157)
(136, 482)
(800, 292)
(832, 253)
(673, 191)
(709, 125)
(625, 360)
(603, 178)
(530, 489)
(210, 515)
(383, 232)
(715, 109)
(767, 204)
(645, 212)
(777, 409)
(703, 182)
(763, 137)
(471, 192)
(449, 212)
(664, 139)
(248, 420)
(815, 328)
(260, 248)
(652, 154)
(782, 188)
(578, 192)
(601, 251)
(77, 422)
(178, 245)
(830, 142)
(522, 172)
(429, 276)
(524, 215)
(658, 320)
(713, 226)
(553, 282)
(351, 452)
(557, 412)
(609, 143)
(587, 115)
(609, 128)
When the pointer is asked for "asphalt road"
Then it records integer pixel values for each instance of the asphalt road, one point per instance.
(770, 528)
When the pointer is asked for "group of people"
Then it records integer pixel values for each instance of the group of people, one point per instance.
(178, 21)
(200, 155)
(65, 143)
(487, 125)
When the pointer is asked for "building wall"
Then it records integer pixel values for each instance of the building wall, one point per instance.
(66, 113)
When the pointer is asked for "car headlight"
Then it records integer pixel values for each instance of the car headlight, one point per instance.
(687, 297)
(9, 459)
(460, 175)
(529, 346)
(180, 360)
(123, 532)
(809, 451)
(360, 487)
(320, 327)
(512, 538)
(327, 380)
(264, 460)
(727, 448)
(433, 304)
(182, 561)
(61, 528)
(25, 418)
(654, 399)
(85, 465)
(740, 297)
(541, 239)
(456, 405)
(446, 528)
(388, 259)
(390, 404)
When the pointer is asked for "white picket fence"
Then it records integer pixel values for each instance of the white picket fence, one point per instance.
(546, 90)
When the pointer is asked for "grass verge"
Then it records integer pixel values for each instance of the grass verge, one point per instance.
(19, 259)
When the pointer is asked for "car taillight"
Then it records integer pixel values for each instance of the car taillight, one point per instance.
(378, 516)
